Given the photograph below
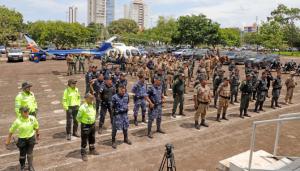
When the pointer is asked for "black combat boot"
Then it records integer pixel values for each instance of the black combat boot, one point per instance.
(173, 115)
(159, 130)
(144, 119)
(135, 121)
(126, 140)
(149, 129)
(224, 117)
(203, 123)
(276, 103)
(218, 118)
(256, 106)
(272, 103)
(114, 144)
(22, 163)
(100, 129)
(197, 126)
(83, 154)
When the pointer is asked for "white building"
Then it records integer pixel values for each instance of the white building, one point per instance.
(138, 11)
(101, 11)
(72, 14)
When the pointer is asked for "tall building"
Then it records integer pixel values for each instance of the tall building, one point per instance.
(250, 29)
(138, 11)
(72, 14)
(101, 11)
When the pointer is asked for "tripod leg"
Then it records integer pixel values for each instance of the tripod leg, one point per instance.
(161, 168)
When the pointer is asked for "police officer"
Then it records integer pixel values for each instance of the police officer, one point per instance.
(262, 91)
(234, 85)
(81, 67)
(89, 76)
(28, 133)
(248, 68)
(95, 87)
(269, 78)
(255, 75)
(26, 98)
(163, 78)
(87, 118)
(201, 72)
(71, 101)
(277, 85)
(224, 93)
(231, 66)
(140, 92)
(122, 81)
(156, 99)
(207, 66)
(178, 95)
(107, 90)
(202, 99)
(120, 115)
(290, 84)
(216, 83)
(246, 90)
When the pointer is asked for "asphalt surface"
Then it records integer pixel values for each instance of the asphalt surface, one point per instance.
(194, 150)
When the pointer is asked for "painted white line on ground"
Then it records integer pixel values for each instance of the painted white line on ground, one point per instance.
(44, 86)
(48, 90)
(56, 111)
(51, 95)
(56, 102)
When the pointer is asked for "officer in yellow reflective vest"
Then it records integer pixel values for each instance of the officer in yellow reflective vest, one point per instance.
(87, 118)
(71, 101)
(26, 98)
(27, 127)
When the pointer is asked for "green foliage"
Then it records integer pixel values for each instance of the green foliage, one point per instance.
(195, 30)
(11, 24)
(59, 33)
(123, 26)
(230, 36)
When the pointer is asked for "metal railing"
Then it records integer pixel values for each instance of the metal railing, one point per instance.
(279, 121)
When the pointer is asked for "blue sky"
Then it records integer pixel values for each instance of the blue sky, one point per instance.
(229, 13)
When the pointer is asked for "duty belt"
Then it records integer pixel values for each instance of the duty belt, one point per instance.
(225, 97)
(206, 103)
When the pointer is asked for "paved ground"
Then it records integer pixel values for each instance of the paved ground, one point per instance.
(194, 150)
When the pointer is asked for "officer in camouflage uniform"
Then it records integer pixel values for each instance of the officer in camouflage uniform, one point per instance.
(290, 84)
(234, 86)
(155, 100)
(246, 90)
(178, 95)
(140, 92)
(163, 78)
(224, 93)
(217, 70)
(248, 69)
(201, 73)
(277, 85)
(231, 67)
(262, 90)
(120, 103)
(208, 64)
(202, 99)
(107, 90)
(216, 83)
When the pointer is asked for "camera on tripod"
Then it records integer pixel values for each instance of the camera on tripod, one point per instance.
(168, 159)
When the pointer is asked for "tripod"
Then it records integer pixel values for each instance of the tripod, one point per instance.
(169, 157)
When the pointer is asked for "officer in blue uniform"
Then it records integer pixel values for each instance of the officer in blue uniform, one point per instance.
(122, 81)
(89, 76)
(155, 95)
(140, 92)
(120, 115)
(95, 87)
(106, 93)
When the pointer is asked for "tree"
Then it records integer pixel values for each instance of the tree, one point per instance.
(195, 30)
(230, 36)
(11, 24)
(123, 26)
(95, 32)
(271, 35)
(287, 17)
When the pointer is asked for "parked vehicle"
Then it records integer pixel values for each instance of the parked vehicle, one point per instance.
(41, 56)
(15, 55)
(2, 50)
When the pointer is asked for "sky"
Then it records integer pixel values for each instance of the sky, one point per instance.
(229, 13)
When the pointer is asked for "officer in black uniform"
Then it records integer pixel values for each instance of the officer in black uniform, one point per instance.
(122, 81)
(106, 93)
(246, 90)
(277, 85)
(95, 87)
(89, 76)
(262, 91)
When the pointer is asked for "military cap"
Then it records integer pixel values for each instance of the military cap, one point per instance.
(26, 85)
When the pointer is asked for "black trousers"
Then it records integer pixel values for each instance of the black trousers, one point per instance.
(25, 146)
(104, 108)
(87, 135)
(71, 117)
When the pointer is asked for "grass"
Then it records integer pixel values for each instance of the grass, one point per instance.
(285, 53)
